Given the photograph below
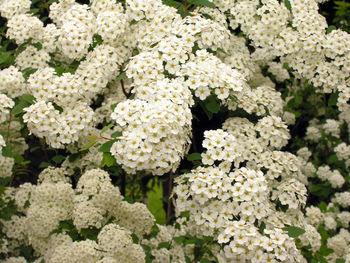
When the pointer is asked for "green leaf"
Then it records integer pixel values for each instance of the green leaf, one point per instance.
(320, 190)
(333, 99)
(90, 233)
(26, 251)
(116, 134)
(340, 260)
(135, 238)
(18, 108)
(5, 180)
(108, 160)
(122, 76)
(58, 158)
(322, 206)
(286, 66)
(113, 106)
(325, 251)
(294, 231)
(4, 57)
(106, 147)
(194, 157)
(28, 98)
(8, 211)
(212, 105)
(44, 165)
(106, 128)
(202, 3)
(28, 71)
(298, 99)
(204, 260)
(88, 145)
(332, 159)
(185, 214)
(208, 16)
(97, 40)
(330, 29)
(155, 204)
(288, 5)
(166, 245)
(172, 3)
(233, 98)
(38, 45)
(7, 152)
(179, 239)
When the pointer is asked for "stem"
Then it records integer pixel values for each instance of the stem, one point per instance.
(43, 148)
(167, 190)
(144, 182)
(133, 187)
(127, 94)
(8, 129)
(25, 171)
(105, 138)
(123, 88)
(123, 183)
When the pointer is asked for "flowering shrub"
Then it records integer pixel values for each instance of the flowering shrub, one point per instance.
(173, 131)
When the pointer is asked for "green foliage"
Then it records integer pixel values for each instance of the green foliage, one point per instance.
(287, 4)
(194, 157)
(342, 15)
(155, 204)
(205, 3)
(294, 231)
(22, 102)
(108, 160)
(106, 147)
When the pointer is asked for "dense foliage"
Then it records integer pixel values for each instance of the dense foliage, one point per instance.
(174, 131)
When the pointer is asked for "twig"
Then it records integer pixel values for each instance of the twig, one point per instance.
(133, 187)
(25, 171)
(43, 148)
(123, 88)
(123, 183)
(127, 94)
(167, 190)
(8, 130)
(170, 189)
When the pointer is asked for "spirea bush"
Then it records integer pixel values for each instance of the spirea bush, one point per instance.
(139, 131)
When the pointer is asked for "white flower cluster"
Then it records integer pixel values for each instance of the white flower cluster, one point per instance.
(6, 163)
(77, 31)
(12, 82)
(69, 38)
(155, 135)
(342, 199)
(94, 204)
(228, 203)
(342, 151)
(22, 27)
(31, 57)
(262, 100)
(162, 255)
(6, 104)
(248, 142)
(14, 7)
(334, 177)
(57, 128)
(208, 75)
(249, 190)
(298, 38)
